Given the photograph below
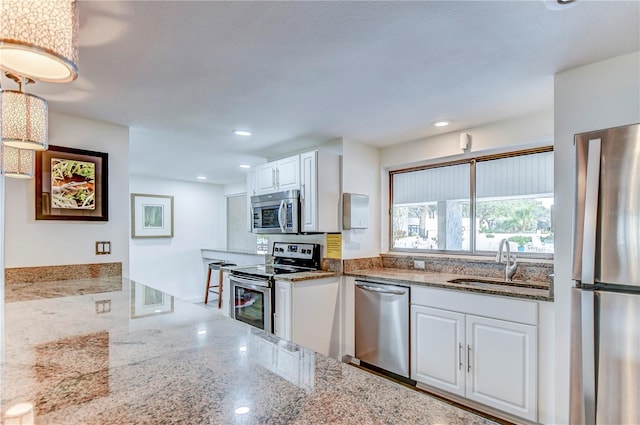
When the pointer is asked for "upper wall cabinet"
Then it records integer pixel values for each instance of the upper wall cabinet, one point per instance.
(319, 191)
(278, 176)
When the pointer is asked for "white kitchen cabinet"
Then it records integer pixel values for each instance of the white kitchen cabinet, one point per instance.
(437, 343)
(277, 176)
(307, 313)
(489, 360)
(502, 365)
(288, 173)
(282, 314)
(319, 191)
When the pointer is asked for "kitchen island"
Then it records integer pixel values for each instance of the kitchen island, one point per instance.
(110, 350)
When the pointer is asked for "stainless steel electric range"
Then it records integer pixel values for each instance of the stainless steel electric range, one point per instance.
(253, 287)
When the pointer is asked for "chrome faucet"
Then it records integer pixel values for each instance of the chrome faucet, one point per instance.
(510, 268)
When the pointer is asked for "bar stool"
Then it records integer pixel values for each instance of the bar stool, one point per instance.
(215, 265)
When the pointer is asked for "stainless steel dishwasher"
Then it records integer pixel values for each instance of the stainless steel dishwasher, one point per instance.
(382, 326)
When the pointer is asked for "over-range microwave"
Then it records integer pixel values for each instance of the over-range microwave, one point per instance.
(276, 212)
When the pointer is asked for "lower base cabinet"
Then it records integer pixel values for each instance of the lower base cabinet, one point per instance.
(489, 361)
(307, 313)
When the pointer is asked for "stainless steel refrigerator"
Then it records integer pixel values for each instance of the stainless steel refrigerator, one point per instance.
(605, 357)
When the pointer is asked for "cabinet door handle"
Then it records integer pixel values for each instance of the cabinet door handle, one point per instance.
(278, 177)
(273, 177)
(459, 356)
(468, 358)
(275, 324)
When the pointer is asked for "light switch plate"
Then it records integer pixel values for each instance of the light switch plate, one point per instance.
(103, 247)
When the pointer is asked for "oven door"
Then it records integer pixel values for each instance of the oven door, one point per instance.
(251, 301)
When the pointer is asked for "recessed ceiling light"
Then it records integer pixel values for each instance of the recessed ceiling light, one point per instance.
(201, 177)
(442, 123)
(245, 166)
(242, 410)
(202, 332)
(242, 133)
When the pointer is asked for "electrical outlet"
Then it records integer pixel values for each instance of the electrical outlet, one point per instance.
(103, 247)
(418, 264)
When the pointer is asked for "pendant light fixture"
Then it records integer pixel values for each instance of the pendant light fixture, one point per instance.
(25, 118)
(39, 39)
(17, 163)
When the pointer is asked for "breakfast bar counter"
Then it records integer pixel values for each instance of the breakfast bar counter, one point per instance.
(112, 351)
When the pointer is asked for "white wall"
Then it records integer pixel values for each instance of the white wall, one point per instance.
(45, 242)
(174, 265)
(601, 95)
(361, 175)
(535, 129)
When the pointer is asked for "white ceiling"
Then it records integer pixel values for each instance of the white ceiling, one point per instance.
(183, 75)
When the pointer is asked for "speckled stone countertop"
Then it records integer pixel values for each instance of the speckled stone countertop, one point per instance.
(531, 290)
(129, 354)
(298, 277)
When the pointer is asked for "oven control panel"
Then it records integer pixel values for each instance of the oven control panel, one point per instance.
(302, 251)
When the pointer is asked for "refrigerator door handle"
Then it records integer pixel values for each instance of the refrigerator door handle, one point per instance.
(592, 186)
(589, 320)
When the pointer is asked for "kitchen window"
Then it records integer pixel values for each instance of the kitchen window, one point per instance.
(468, 206)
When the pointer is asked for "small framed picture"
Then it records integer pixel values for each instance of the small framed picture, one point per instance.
(71, 184)
(151, 216)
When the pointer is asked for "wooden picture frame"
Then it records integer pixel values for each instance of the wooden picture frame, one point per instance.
(151, 216)
(72, 184)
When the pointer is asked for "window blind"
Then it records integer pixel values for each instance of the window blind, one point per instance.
(515, 176)
(432, 184)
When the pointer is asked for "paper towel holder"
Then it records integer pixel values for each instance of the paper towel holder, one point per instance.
(355, 211)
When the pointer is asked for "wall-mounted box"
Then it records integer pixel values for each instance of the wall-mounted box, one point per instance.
(355, 211)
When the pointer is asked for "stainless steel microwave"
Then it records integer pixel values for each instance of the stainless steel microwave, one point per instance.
(276, 212)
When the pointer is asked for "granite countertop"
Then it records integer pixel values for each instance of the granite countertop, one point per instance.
(301, 276)
(111, 351)
(531, 290)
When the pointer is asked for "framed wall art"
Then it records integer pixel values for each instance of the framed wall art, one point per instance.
(72, 184)
(151, 216)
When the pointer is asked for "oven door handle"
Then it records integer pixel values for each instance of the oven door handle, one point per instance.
(257, 282)
(281, 220)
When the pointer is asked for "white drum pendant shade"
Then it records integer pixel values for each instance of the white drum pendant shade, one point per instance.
(17, 163)
(39, 39)
(25, 120)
